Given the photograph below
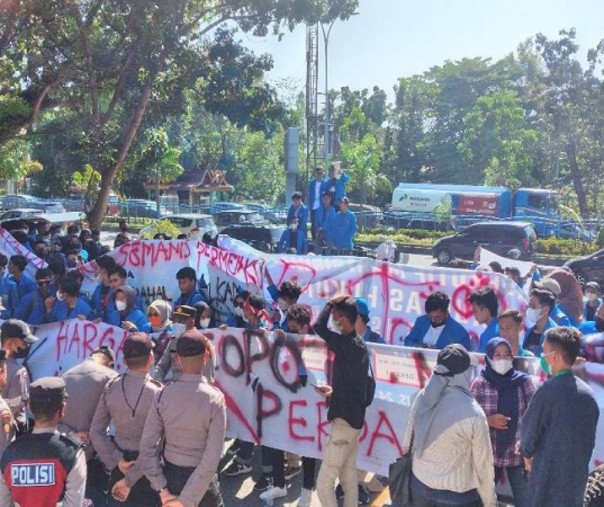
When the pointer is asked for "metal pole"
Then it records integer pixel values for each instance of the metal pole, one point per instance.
(327, 111)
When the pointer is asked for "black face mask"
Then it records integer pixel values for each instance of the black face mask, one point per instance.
(599, 324)
(21, 353)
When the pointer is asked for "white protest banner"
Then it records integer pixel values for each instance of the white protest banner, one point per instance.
(10, 246)
(486, 257)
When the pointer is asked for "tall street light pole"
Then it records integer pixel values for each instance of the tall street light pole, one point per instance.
(326, 34)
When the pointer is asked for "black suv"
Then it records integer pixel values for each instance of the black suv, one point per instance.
(509, 239)
(589, 268)
(262, 237)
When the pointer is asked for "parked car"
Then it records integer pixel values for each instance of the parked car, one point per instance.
(588, 268)
(516, 240)
(143, 208)
(367, 216)
(262, 237)
(192, 224)
(19, 213)
(29, 201)
(240, 216)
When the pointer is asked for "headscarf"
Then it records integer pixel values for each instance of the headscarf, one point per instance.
(130, 294)
(570, 299)
(444, 401)
(200, 309)
(164, 310)
(507, 387)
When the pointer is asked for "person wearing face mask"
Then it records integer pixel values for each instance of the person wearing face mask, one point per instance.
(8, 291)
(118, 277)
(556, 313)
(126, 314)
(593, 326)
(183, 319)
(159, 314)
(592, 300)
(236, 319)
(285, 296)
(558, 431)
(16, 338)
(32, 307)
(204, 316)
(449, 437)
(437, 328)
(537, 319)
(484, 307)
(102, 293)
(67, 304)
(504, 394)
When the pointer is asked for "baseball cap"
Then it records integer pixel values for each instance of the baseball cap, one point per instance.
(184, 311)
(191, 343)
(362, 306)
(15, 328)
(592, 285)
(455, 358)
(137, 345)
(549, 284)
(47, 390)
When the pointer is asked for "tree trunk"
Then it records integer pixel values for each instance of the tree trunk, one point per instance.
(571, 153)
(96, 216)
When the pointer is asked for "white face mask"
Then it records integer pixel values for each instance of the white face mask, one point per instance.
(178, 329)
(60, 296)
(238, 311)
(283, 305)
(592, 296)
(204, 323)
(293, 227)
(120, 305)
(532, 316)
(334, 326)
(501, 366)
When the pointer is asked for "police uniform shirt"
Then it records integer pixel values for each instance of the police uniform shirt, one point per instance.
(16, 389)
(7, 431)
(125, 401)
(42, 467)
(190, 416)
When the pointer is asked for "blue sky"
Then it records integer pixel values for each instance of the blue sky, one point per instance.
(389, 39)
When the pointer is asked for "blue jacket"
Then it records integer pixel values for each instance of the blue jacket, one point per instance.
(345, 227)
(585, 306)
(25, 285)
(10, 298)
(310, 195)
(326, 219)
(62, 312)
(453, 332)
(588, 327)
(31, 308)
(301, 232)
(537, 349)
(138, 318)
(559, 317)
(376, 337)
(336, 188)
(187, 299)
(492, 331)
(100, 304)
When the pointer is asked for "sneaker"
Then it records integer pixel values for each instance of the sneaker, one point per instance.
(237, 469)
(292, 472)
(363, 495)
(305, 498)
(265, 481)
(272, 493)
(339, 491)
(233, 448)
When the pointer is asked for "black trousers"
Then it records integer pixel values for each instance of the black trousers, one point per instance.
(96, 481)
(178, 476)
(308, 469)
(141, 493)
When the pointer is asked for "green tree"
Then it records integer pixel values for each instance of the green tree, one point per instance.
(88, 181)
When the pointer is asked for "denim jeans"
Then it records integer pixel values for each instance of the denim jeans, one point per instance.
(519, 485)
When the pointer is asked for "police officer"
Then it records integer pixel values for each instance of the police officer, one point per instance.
(7, 431)
(183, 319)
(189, 415)
(85, 383)
(125, 402)
(44, 467)
(16, 339)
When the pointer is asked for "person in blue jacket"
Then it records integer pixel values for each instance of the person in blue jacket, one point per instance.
(68, 304)
(437, 329)
(324, 227)
(556, 314)
(593, 326)
(362, 324)
(485, 307)
(297, 221)
(103, 294)
(187, 283)
(16, 268)
(31, 308)
(592, 300)
(537, 319)
(8, 292)
(336, 185)
(313, 197)
(126, 314)
(345, 228)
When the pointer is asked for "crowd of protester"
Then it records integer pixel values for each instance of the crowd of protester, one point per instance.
(155, 434)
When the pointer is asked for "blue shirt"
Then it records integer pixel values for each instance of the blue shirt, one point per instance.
(453, 332)
(492, 331)
(138, 318)
(31, 308)
(325, 219)
(559, 317)
(586, 307)
(62, 312)
(588, 327)
(345, 227)
(336, 188)
(301, 231)
(366, 337)
(25, 285)
(10, 298)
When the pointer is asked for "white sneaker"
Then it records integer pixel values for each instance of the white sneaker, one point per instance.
(272, 493)
(305, 498)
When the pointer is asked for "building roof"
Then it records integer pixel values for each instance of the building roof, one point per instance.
(199, 180)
